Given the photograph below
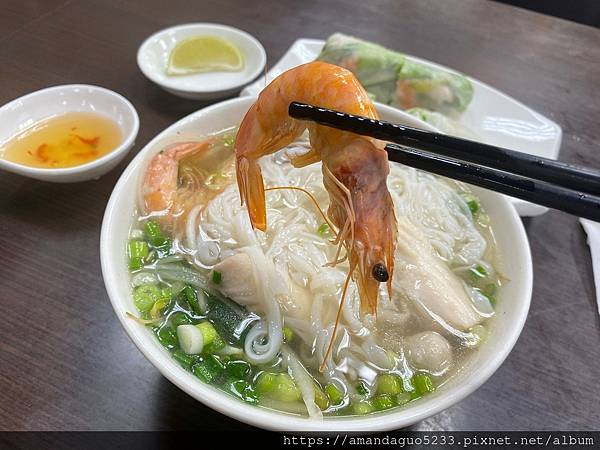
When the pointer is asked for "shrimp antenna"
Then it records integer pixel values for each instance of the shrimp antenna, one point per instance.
(313, 199)
(337, 320)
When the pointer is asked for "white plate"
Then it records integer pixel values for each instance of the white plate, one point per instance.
(513, 303)
(25, 111)
(153, 57)
(493, 116)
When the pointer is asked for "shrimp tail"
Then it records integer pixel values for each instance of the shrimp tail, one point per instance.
(252, 191)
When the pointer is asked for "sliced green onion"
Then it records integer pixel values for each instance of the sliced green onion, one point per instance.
(145, 296)
(135, 263)
(362, 389)
(184, 359)
(138, 249)
(216, 277)
(156, 237)
(321, 399)
(190, 339)
(335, 395)
(138, 252)
(243, 390)
(229, 140)
(279, 386)
(323, 229)
(189, 293)
(288, 334)
(208, 332)
(363, 407)
(403, 399)
(422, 384)
(489, 290)
(478, 272)
(384, 401)
(180, 318)
(389, 384)
(209, 369)
(473, 206)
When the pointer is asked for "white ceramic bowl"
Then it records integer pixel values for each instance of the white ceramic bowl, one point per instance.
(512, 309)
(25, 111)
(153, 57)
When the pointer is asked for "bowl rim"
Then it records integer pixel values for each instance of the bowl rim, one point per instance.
(280, 421)
(151, 75)
(127, 142)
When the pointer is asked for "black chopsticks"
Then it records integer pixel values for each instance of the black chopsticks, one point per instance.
(539, 180)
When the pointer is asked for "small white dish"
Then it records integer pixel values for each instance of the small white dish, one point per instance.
(25, 111)
(513, 303)
(493, 116)
(153, 58)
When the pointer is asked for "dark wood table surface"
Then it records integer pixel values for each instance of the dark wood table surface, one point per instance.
(65, 361)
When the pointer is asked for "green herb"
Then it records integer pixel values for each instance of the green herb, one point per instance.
(238, 369)
(216, 277)
(145, 296)
(323, 229)
(167, 336)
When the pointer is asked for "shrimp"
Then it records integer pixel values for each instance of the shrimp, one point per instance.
(170, 190)
(355, 168)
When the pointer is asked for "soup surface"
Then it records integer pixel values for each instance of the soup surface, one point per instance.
(66, 140)
(253, 313)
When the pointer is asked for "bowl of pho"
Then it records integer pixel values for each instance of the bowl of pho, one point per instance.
(250, 322)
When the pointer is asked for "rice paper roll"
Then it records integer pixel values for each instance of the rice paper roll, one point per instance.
(390, 78)
(375, 66)
(433, 89)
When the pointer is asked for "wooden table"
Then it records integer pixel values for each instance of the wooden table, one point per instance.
(65, 361)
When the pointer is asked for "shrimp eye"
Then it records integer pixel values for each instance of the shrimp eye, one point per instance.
(380, 272)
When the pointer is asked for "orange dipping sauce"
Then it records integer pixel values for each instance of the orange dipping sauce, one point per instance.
(67, 140)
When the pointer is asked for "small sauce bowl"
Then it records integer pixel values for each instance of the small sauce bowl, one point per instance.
(153, 58)
(24, 112)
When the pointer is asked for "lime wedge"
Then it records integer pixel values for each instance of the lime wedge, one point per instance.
(204, 54)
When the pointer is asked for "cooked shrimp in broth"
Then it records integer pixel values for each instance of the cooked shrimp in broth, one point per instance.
(295, 268)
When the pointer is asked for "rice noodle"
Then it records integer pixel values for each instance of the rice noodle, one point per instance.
(291, 257)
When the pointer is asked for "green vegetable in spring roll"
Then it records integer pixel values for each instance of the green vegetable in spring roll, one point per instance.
(375, 67)
(393, 79)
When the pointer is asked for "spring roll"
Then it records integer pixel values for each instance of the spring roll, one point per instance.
(393, 79)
